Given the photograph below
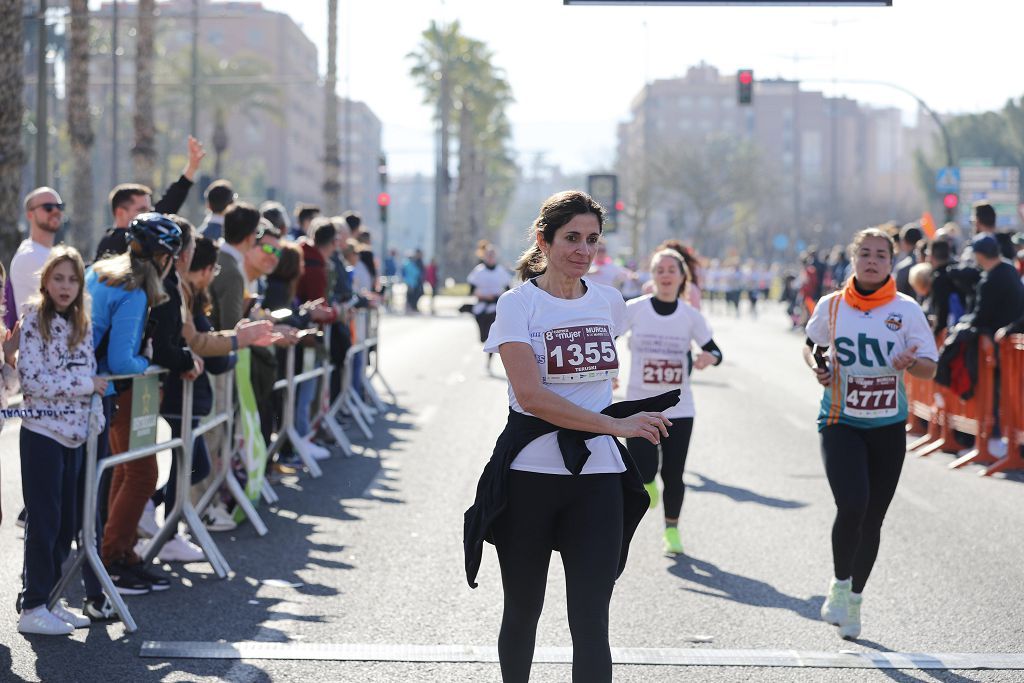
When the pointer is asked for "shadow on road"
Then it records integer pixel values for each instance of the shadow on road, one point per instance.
(718, 583)
(741, 495)
(923, 675)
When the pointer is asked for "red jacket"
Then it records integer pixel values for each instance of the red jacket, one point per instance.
(313, 283)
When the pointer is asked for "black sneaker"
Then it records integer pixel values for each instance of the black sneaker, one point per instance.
(126, 581)
(156, 581)
(99, 610)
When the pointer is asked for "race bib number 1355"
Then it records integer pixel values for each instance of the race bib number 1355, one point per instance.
(585, 353)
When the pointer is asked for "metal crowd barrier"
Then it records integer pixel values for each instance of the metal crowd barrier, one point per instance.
(182, 448)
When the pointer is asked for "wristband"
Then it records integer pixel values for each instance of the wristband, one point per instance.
(234, 342)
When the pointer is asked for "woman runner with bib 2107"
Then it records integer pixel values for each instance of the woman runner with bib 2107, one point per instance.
(663, 328)
(872, 335)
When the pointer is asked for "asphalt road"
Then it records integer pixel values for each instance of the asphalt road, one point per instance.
(375, 544)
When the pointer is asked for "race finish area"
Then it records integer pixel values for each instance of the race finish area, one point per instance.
(843, 659)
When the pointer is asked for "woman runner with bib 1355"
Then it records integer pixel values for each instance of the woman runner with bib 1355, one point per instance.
(662, 329)
(557, 480)
(872, 334)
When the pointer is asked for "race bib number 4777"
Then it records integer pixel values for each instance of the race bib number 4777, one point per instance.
(585, 353)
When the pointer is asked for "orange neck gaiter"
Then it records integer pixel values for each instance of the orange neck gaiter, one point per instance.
(867, 302)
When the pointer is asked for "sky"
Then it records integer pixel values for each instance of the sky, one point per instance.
(575, 69)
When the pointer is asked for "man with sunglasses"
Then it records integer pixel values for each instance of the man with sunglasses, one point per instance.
(44, 213)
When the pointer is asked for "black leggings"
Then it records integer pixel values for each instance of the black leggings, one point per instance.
(863, 468)
(582, 517)
(673, 461)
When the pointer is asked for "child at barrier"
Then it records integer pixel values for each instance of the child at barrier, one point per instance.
(8, 362)
(57, 370)
(123, 289)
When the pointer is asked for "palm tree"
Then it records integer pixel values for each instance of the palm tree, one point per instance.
(80, 126)
(471, 96)
(225, 86)
(12, 85)
(144, 151)
(438, 54)
(332, 162)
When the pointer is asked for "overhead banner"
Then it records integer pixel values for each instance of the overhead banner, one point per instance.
(745, 3)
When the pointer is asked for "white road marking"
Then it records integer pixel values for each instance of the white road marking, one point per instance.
(846, 659)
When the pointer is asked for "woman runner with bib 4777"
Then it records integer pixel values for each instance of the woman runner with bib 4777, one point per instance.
(872, 334)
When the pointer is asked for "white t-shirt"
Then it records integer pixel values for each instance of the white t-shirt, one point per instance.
(658, 346)
(488, 283)
(871, 393)
(26, 267)
(573, 341)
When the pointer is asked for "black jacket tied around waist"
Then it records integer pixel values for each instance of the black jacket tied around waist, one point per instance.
(519, 431)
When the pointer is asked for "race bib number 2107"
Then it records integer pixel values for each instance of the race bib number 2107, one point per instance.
(585, 353)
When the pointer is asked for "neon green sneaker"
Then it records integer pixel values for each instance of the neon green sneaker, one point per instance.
(652, 491)
(673, 546)
(850, 628)
(836, 605)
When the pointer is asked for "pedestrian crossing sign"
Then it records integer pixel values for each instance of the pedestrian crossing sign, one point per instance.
(947, 179)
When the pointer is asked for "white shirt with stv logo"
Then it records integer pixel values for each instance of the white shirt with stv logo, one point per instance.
(870, 393)
(573, 342)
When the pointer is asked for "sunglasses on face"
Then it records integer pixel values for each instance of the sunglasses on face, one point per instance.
(271, 249)
(48, 207)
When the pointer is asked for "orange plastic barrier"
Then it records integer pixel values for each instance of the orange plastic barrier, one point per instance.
(1011, 403)
(948, 413)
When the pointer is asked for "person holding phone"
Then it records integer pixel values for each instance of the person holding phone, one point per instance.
(860, 341)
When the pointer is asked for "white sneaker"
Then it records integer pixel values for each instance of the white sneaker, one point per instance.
(997, 448)
(850, 628)
(43, 622)
(317, 451)
(148, 528)
(61, 611)
(836, 605)
(217, 518)
(180, 549)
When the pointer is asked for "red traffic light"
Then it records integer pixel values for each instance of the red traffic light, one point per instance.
(383, 199)
(620, 205)
(950, 201)
(746, 76)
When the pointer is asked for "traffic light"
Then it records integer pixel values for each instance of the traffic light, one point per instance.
(745, 86)
(951, 200)
(383, 200)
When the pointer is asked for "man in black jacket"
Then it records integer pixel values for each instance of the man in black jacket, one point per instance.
(1000, 294)
(128, 200)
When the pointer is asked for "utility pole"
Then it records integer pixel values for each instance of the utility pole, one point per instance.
(193, 123)
(42, 122)
(115, 175)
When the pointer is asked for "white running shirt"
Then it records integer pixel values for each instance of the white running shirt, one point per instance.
(573, 341)
(658, 346)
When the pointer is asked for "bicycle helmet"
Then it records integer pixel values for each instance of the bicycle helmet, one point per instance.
(153, 233)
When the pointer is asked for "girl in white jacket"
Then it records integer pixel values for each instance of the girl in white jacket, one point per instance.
(57, 369)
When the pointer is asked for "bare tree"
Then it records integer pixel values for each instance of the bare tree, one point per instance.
(144, 151)
(80, 127)
(12, 109)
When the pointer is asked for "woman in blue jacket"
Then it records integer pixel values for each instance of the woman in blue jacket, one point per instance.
(123, 289)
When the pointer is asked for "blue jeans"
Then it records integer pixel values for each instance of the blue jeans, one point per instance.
(49, 476)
